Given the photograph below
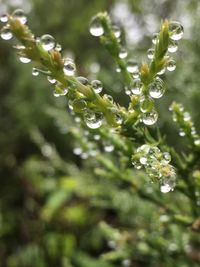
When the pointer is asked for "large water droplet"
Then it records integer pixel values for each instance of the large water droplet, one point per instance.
(143, 160)
(93, 119)
(150, 118)
(146, 104)
(97, 86)
(166, 157)
(171, 65)
(157, 88)
(24, 59)
(123, 52)
(47, 42)
(175, 30)
(165, 188)
(173, 46)
(6, 33)
(79, 105)
(150, 53)
(69, 67)
(4, 18)
(20, 15)
(132, 66)
(83, 80)
(136, 87)
(96, 28)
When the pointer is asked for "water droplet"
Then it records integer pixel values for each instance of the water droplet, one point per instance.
(186, 116)
(166, 157)
(181, 132)
(96, 28)
(161, 72)
(83, 80)
(118, 69)
(58, 47)
(132, 66)
(108, 97)
(123, 52)
(165, 188)
(150, 53)
(4, 18)
(20, 15)
(47, 42)
(143, 160)
(116, 31)
(126, 262)
(175, 30)
(24, 59)
(51, 79)
(197, 142)
(79, 105)
(60, 91)
(35, 72)
(6, 33)
(97, 86)
(93, 119)
(69, 67)
(108, 147)
(136, 87)
(77, 151)
(137, 165)
(171, 65)
(155, 38)
(118, 118)
(173, 46)
(146, 104)
(143, 149)
(156, 88)
(150, 118)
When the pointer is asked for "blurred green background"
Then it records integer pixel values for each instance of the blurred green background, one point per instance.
(57, 209)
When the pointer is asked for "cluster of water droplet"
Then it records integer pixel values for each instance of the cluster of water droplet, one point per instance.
(184, 120)
(156, 164)
(6, 33)
(175, 34)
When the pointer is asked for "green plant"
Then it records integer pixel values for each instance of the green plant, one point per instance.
(127, 131)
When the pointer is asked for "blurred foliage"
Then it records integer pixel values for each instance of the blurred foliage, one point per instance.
(57, 209)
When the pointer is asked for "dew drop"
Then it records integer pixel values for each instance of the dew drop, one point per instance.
(108, 147)
(171, 65)
(51, 79)
(24, 59)
(58, 47)
(4, 18)
(161, 72)
(123, 53)
(20, 15)
(146, 104)
(150, 53)
(165, 188)
(77, 151)
(93, 119)
(116, 31)
(47, 42)
(150, 118)
(96, 28)
(83, 80)
(136, 87)
(155, 38)
(173, 46)
(6, 33)
(69, 67)
(132, 66)
(143, 160)
(166, 157)
(197, 142)
(175, 30)
(97, 86)
(137, 165)
(35, 72)
(79, 105)
(157, 88)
